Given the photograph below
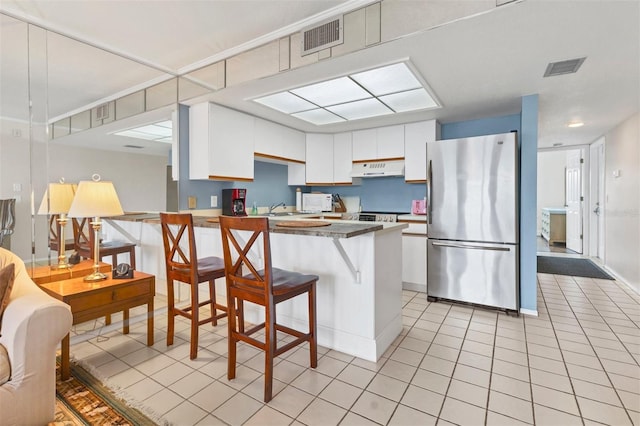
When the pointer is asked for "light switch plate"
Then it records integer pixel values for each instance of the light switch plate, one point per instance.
(192, 202)
(214, 201)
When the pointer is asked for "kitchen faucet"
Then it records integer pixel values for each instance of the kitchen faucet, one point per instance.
(273, 207)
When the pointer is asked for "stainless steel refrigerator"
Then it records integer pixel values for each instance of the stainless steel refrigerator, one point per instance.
(472, 222)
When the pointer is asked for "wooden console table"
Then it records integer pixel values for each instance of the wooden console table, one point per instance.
(92, 300)
(47, 274)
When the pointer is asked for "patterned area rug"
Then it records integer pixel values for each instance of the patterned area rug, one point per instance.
(83, 400)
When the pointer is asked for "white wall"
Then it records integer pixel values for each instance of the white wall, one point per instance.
(15, 169)
(551, 167)
(139, 179)
(622, 204)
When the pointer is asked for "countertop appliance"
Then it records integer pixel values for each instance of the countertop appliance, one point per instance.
(317, 202)
(472, 220)
(234, 201)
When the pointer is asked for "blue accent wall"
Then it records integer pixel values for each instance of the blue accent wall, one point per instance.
(528, 202)
(484, 126)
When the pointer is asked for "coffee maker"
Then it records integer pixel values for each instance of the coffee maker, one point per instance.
(233, 202)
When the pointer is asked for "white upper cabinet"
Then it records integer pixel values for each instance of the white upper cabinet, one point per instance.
(342, 164)
(319, 164)
(329, 159)
(377, 144)
(221, 143)
(416, 136)
(278, 142)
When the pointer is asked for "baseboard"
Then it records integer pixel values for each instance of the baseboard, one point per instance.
(530, 312)
(619, 278)
(420, 288)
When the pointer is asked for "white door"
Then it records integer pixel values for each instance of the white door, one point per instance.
(597, 199)
(573, 194)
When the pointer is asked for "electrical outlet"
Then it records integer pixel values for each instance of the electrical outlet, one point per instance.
(214, 201)
(192, 202)
(17, 187)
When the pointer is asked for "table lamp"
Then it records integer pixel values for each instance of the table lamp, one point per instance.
(95, 199)
(56, 201)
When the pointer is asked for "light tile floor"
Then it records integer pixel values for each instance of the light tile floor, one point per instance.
(576, 363)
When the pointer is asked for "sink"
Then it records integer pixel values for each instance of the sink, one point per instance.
(277, 214)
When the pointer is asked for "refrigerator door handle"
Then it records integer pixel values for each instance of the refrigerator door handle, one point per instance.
(429, 186)
(470, 247)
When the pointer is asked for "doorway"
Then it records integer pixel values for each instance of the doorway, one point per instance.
(560, 202)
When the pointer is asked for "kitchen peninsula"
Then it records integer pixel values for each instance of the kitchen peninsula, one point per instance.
(359, 293)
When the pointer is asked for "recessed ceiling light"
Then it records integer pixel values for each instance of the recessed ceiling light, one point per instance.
(386, 90)
(575, 124)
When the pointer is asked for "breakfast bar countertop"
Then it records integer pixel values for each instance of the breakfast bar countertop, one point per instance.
(336, 229)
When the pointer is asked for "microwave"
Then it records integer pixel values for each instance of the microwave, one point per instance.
(315, 202)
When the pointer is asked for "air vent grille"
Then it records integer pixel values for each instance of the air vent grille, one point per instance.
(102, 112)
(133, 146)
(563, 67)
(322, 36)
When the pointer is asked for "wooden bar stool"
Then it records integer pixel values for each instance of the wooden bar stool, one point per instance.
(183, 265)
(83, 236)
(266, 287)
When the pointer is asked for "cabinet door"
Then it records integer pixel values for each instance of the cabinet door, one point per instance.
(416, 136)
(342, 165)
(199, 146)
(365, 145)
(293, 144)
(231, 140)
(414, 262)
(267, 138)
(319, 164)
(390, 142)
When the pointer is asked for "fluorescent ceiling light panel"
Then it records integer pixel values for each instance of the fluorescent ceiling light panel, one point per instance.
(409, 101)
(286, 102)
(361, 109)
(318, 116)
(389, 79)
(158, 132)
(332, 92)
(385, 90)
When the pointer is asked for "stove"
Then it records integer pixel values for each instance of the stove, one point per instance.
(371, 216)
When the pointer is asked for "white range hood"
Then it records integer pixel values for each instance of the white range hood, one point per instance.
(380, 168)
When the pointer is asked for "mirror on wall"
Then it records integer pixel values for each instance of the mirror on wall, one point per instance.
(92, 112)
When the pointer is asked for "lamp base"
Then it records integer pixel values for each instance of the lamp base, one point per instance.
(64, 265)
(96, 276)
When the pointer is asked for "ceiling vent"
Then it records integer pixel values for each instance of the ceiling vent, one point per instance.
(133, 146)
(322, 36)
(563, 67)
(102, 112)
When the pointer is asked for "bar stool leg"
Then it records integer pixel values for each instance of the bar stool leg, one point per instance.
(195, 319)
(170, 312)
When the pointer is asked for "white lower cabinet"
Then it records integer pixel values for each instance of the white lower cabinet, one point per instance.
(414, 257)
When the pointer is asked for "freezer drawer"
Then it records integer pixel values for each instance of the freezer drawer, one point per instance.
(481, 273)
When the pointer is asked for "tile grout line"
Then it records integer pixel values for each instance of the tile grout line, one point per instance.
(622, 405)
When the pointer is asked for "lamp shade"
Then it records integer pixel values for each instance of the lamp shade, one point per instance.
(95, 199)
(59, 196)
